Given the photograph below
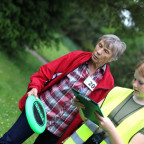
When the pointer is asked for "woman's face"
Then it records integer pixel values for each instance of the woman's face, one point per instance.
(102, 54)
(138, 85)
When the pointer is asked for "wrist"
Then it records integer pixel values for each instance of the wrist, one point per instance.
(112, 130)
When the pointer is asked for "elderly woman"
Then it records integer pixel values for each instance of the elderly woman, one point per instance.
(84, 71)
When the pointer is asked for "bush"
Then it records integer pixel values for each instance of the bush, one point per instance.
(24, 22)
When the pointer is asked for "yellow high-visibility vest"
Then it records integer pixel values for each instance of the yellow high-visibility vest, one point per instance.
(126, 129)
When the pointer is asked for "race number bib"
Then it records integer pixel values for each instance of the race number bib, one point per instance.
(90, 83)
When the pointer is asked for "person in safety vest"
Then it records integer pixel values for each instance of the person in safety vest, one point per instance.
(123, 121)
(53, 83)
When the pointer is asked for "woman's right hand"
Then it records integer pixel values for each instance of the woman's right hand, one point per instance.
(80, 106)
(77, 103)
(34, 92)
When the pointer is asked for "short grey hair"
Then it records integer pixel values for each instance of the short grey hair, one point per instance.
(117, 45)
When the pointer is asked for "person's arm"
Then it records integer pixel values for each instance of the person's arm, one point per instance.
(137, 139)
(47, 71)
(106, 124)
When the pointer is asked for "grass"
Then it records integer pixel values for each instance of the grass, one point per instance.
(14, 77)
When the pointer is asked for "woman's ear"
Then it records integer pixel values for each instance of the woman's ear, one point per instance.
(112, 59)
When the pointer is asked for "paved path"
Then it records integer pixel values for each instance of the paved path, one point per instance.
(37, 55)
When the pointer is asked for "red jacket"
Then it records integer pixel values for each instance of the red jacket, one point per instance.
(64, 65)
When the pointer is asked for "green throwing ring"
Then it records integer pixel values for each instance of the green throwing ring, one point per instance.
(36, 115)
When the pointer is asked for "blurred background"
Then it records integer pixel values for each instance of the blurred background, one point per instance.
(48, 29)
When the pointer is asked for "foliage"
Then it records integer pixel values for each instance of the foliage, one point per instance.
(24, 22)
(88, 19)
(123, 68)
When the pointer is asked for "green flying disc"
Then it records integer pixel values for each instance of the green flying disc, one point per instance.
(36, 115)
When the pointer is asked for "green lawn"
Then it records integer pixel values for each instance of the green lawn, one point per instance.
(14, 77)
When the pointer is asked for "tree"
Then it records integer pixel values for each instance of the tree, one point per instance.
(90, 19)
(26, 21)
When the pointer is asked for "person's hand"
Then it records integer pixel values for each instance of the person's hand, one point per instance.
(104, 122)
(78, 104)
(80, 107)
(34, 92)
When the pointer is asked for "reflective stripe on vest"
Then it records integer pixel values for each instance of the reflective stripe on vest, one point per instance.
(82, 134)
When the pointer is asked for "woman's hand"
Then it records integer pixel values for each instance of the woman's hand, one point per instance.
(78, 104)
(34, 92)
